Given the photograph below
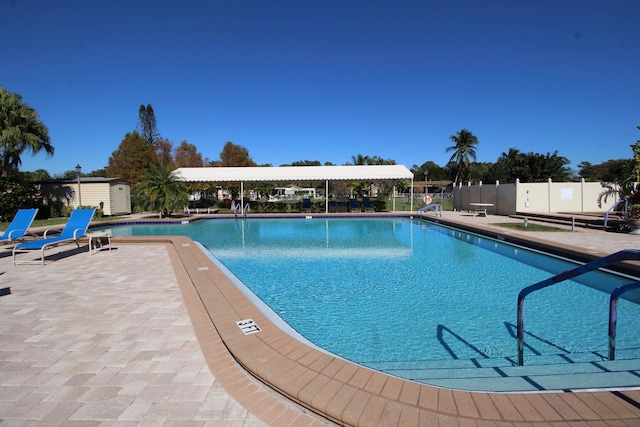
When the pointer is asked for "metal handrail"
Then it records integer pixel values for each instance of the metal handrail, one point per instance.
(244, 211)
(437, 207)
(627, 254)
(615, 205)
(613, 314)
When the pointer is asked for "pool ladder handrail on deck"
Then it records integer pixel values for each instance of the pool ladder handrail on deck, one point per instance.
(624, 255)
(437, 209)
(612, 208)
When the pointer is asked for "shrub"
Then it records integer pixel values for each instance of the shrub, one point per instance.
(16, 194)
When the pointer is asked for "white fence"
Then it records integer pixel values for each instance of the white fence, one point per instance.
(537, 197)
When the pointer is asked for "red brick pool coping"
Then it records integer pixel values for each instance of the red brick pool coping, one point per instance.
(342, 392)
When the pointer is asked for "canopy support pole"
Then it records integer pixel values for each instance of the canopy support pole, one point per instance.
(412, 195)
(394, 197)
(326, 196)
(242, 197)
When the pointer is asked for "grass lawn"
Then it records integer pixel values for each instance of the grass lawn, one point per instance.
(530, 227)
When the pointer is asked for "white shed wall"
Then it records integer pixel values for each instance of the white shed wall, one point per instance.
(113, 196)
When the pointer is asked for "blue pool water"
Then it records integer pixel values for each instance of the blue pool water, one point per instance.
(391, 290)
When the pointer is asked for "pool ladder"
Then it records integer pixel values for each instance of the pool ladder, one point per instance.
(624, 255)
(236, 209)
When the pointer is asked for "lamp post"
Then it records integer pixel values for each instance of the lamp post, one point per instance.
(78, 170)
(426, 182)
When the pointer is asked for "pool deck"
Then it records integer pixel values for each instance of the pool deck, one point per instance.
(146, 335)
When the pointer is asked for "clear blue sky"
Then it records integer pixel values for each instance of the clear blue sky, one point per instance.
(327, 80)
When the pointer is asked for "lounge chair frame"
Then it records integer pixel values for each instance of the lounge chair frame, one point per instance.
(354, 206)
(75, 228)
(306, 205)
(367, 206)
(18, 229)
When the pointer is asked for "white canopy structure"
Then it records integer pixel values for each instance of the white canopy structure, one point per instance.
(295, 173)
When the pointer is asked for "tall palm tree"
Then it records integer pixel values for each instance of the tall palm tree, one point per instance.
(161, 191)
(360, 160)
(20, 130)
(463, 150)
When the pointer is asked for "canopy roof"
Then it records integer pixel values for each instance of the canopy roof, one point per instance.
(294, 173)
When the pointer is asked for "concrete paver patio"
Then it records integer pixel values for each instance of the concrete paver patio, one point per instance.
(105, 340)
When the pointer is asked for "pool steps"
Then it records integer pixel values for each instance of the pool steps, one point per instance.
(575, 371)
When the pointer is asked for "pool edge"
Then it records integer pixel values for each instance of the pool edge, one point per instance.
(340, 391)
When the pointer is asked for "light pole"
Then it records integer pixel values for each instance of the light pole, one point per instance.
(78, 170)
(426, 182)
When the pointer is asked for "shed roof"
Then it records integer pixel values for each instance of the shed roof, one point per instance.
(83, 180)
(294, 173)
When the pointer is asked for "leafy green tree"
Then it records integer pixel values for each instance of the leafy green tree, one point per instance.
(636, 157)
(160, 191)
(548, 166)
(451, 169)
(264, 188)
(187, 156)
(377, 160)
(132, 159)
(531, 167)
(234, 155)
(98, 173)
(147, 124)
(306, 163)
(68, 174)
(163, 150)
(37, 175)
(20, 130)
(463, 150)
(16, 192)
(480, 171)
(612, 170)
(509, 167)
(362, 187)
(360, 160)
(627, 184)
(428, 171)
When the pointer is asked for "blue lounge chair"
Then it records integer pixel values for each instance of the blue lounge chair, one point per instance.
(75, 228)
(354, 206)
(366, 203)
(306, 205)
(337, 207)
(19, 226)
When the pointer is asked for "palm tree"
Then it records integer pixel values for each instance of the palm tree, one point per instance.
(626, 188)
(20, 130)
(462, 150)
(161, 191)
(360, 160)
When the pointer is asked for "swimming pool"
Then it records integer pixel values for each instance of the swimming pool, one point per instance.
(393, 291)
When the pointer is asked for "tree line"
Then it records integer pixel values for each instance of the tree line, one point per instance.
(144, 155)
